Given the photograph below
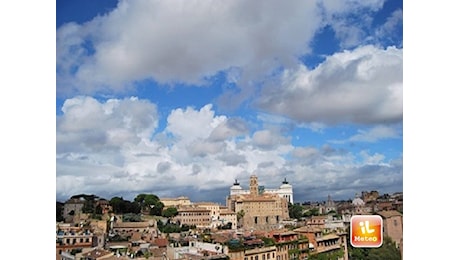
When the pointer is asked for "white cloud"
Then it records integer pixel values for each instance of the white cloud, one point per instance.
(230, 128)
(266, 139)
(372, 135)
(88, 125)
(359, 86)
(183, 41)
(190, 162)
(387, 30)
(190, 124)
(350, 30)
(188, 41)
(114, 147)
(372, 159)
(200, 148)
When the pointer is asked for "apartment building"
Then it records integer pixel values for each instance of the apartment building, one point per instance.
(257, 253)
(197, 250)
(128, 229)
(176, 202)
(71, 238)
(325, 243)
(194, 216)
(290, 245)
(228, 216)
(393, 226)
(317, 221)
(214, 211)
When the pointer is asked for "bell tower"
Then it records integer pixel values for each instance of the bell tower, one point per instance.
(253, 185)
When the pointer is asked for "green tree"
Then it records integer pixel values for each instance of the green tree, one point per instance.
(387, 251)
(149, 202)
(59, 211)
(170, 212)
(117, 205)
(295, 211)
(268, 241)
(311, 212)
(131, 217)
(121, 206)
(239, 216)
(88, 206)
(98, 210)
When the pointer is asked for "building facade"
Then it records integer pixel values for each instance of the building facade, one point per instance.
(393, 226)
(194, 216)
(175, 202)
(284, 191)
(258, 210)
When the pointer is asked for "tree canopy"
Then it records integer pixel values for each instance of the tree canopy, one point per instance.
(143, 202)
(387, 251)
(295, 211)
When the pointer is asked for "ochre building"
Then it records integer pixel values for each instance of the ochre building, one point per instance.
(258, 210)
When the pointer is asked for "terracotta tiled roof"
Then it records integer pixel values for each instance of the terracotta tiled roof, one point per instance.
(96, 253)
(327, 237)
(285, 233)
(389, 213)
(308, 229)
(161, 242)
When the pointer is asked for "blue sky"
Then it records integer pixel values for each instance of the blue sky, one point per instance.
(182, 97)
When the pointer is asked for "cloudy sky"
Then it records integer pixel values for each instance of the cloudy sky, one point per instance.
(182, 97)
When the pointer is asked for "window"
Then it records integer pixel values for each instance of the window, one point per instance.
(395, 221)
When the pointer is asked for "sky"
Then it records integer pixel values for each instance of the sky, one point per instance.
(180, 98)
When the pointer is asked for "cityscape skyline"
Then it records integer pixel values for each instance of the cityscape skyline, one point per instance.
(197, 199)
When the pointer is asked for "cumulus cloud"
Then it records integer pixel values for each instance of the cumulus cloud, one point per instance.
(341, 175)
(189, 124)
(163, 167)
(350, 30)
(193, 165)
(196, 149)
(190, 41)
(266, 139)
(360, 86)
(233, 159)
(183, 41)
(89, 125)
(230, 128)
(116, 147)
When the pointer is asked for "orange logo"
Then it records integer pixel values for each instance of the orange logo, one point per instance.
(366, 231)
